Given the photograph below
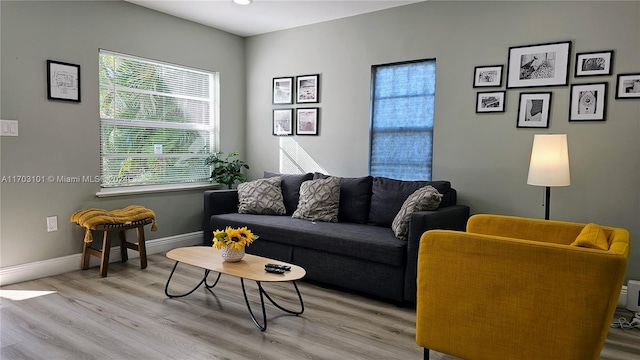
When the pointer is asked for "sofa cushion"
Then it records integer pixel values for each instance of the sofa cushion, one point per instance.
(355, 198)
(262, 196)
(425, 198)
(290, 185)
(592, 236)
(371, 243)
(319, 200)
(388, 195)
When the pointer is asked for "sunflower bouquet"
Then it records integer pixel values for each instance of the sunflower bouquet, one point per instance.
(236, 238)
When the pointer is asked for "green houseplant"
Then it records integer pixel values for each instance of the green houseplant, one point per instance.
(225, 170)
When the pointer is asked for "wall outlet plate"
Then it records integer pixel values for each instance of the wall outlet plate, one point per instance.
(633, 295)
(52, 223)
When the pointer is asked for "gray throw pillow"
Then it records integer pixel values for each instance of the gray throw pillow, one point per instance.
(319, 200)
(425, 198)
(290, 186)
(262, 197)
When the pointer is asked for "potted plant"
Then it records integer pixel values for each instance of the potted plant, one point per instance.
(226, 171)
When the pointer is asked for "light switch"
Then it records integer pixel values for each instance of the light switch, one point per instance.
(9, 127)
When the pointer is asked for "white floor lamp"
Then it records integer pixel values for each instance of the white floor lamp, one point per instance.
(549, 164)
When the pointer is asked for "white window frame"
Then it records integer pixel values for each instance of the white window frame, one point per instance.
(108, 188)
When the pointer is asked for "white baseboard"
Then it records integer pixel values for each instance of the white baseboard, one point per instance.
(61, 265)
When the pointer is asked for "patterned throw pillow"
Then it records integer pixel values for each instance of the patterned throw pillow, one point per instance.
(319, 200)
(262, 197)
(425, 198)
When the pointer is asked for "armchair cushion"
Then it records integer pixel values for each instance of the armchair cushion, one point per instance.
(592, 236)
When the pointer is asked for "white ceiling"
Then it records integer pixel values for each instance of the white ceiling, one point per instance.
(263, 16)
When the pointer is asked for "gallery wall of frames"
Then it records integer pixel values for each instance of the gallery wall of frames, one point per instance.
(548, 65)
(303, 91)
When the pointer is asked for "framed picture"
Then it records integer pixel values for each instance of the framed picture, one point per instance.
(539, 65)
(594, 63)
(487, 102)
(628, 86)
(588, 102)
(63, 81)
(282, 90)
(487, 76)
(307, 123)
(533, 110)
(307, 88)
(282, 122)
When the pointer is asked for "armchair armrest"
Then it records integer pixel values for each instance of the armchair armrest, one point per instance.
(450, 218)
(558, 300)
(217, 202)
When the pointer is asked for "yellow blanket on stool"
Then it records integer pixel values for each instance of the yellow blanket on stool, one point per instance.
(90, 218)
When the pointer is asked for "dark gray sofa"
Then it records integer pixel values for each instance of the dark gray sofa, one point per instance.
(359, 252)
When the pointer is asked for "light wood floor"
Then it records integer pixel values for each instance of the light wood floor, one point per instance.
(127, 316)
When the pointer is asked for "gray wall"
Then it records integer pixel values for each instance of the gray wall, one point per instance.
(57, 138)
(484, 156)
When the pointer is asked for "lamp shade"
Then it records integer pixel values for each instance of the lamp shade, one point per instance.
(549, 164)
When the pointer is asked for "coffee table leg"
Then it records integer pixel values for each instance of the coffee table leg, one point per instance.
(279, 306)
(263, 294)
(264, 313)
(203, 281)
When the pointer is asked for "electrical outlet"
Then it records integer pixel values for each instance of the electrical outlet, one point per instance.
(52, 223)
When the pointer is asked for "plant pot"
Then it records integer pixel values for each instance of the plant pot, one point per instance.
(231, 254)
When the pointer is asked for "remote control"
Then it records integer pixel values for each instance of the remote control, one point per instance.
(274, 270)
(278, 266)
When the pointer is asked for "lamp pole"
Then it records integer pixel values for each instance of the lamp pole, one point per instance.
(547, 202)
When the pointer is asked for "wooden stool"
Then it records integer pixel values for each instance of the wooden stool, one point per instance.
(124, 244)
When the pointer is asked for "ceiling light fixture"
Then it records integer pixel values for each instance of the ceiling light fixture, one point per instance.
(243, 2)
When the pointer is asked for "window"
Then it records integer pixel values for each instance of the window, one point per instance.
(403, 99)
(158, 122)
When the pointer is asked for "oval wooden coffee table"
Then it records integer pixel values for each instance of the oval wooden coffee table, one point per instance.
(251, 267)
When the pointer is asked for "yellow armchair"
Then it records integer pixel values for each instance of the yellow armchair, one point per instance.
(516, 288)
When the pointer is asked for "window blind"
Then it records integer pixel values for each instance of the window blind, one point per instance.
(403, 99)
(157, 121)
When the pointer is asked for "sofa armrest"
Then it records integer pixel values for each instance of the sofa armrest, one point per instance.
(217, 202)
(498, 286)
(448, 218)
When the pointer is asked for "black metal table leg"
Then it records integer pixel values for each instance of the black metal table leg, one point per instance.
(264, 294)
(279, 306)
(264, 313)
(203, 281)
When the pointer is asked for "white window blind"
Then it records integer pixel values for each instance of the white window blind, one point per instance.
(157, 121)
(403, 99)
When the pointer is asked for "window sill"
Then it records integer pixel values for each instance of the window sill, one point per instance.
(135, 190)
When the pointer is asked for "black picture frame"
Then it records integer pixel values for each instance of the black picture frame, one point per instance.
(63, 81)
(534, 109)
(487, 76)
(539, 65)
(595, 63)
(490, 102)
(283, 122)
(628, 86)
(282, 91)
(308, 89)
(308, 121)
(588, 102)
